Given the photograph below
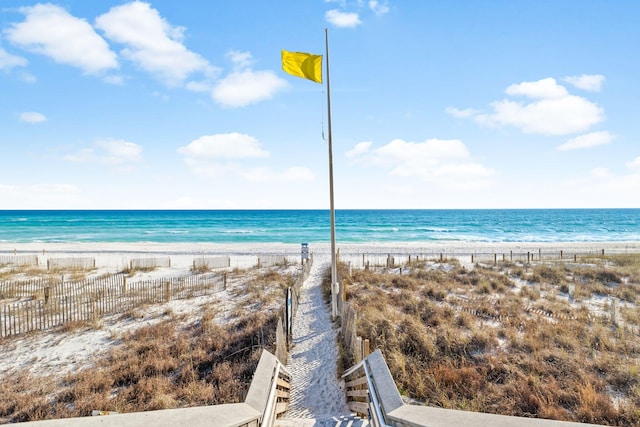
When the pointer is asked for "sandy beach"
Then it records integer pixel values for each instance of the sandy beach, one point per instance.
(312, 360)
(111, 255)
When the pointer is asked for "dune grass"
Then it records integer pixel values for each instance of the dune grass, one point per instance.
(180, 361)
(508, 339)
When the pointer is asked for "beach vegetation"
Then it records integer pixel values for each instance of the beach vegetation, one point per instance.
(205, 356)
(537, 340)
(200, 268)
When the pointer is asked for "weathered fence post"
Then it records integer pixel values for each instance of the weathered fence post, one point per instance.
(614, 312)
(167, 291)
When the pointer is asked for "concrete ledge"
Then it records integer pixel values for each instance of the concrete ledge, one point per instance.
(229, 415)
(426, 416)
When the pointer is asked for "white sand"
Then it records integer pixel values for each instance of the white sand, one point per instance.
(116, 251)
(113, 257)
(315, 390)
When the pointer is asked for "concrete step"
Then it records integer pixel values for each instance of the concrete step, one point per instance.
(343, 421)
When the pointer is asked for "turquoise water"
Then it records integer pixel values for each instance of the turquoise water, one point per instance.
(296, 226)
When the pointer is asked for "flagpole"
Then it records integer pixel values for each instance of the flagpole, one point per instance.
(334, 270)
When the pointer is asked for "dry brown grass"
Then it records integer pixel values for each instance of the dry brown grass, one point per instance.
(156, 367)
(475, 340)
(174, 363)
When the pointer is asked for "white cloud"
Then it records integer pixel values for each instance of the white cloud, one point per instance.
(32, 117)
(240, 60)
(600, 173)
(557, 116)
(360, 148)
(8, 61)
(589, 82)
(607, 188)
(221, 155)
(51, 31)
(635, 163)
(199, 86)
(114, 80)
(445, 162)
(55, 196)
(27, 78)
(224, 146)
(588, 140)
(108, 151)
(152, 43)
(247, 87)
(265, 174)
(38, 188)
(552, 110)
(461, 114)
(342, 19)
(118, 151)
(297, 173)
(545, 88)
(377, 8)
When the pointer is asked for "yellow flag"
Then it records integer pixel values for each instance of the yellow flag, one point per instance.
(303, 65)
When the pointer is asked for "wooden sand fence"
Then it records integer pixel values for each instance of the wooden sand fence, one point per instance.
(71, 262)
(211, 263)
(149, 263)
(405, 259)
(88, 300)
(56, 286)
(272, 260)
(19, 260)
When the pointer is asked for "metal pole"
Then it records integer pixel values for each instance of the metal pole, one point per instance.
(334, 271)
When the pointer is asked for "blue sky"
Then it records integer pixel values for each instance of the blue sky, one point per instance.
(435, 104)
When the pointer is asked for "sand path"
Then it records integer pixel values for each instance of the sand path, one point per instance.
(316, 394)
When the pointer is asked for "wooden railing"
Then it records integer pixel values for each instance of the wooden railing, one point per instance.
(270, 389)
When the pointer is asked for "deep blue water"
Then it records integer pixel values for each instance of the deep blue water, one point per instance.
(295, 226)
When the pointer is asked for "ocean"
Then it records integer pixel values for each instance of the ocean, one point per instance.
(298, 226)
